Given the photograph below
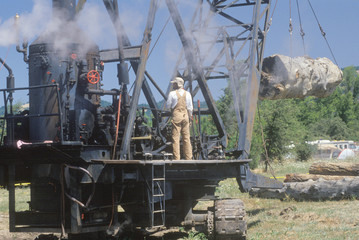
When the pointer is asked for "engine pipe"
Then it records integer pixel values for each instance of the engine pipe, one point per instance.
(10, 84)
(24, 44)
(10, 80)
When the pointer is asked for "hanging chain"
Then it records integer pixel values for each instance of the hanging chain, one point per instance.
(271, 18)
(290, 18)
(323, 33)
(290, 33)
(301, 28)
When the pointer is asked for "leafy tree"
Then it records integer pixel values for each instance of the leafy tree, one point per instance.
(351, 83)
(281, 127)
(304, 151)
(310, 110)
(228, 115)
(257, 152)
(344, 105)
(207, 125)
(330, 128)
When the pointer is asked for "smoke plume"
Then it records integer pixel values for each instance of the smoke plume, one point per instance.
(28, 26)
(92, 25)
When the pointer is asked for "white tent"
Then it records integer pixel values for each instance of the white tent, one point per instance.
(346, 153)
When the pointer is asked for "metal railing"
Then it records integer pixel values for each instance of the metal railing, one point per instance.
(9, 118)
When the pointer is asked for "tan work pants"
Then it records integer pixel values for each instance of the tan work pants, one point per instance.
(181, 128)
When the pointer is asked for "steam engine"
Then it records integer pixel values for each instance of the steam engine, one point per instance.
(94, 169)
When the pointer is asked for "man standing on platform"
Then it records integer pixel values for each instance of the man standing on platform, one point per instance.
(180, 103)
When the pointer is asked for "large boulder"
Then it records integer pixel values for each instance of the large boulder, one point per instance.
(286, 77)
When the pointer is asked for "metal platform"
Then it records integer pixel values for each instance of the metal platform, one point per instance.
(170, 162)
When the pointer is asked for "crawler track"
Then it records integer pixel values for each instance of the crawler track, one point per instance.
(229, 219)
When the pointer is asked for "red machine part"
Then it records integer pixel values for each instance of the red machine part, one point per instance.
(93, 77)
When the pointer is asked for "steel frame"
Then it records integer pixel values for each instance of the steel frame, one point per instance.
(243, 71)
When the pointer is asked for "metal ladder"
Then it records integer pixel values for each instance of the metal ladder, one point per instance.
(158, 193)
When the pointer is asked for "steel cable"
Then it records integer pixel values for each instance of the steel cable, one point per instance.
(301, 28)
(323, 33)
(7, 53)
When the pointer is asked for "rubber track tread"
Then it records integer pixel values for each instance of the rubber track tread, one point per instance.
(229, 219)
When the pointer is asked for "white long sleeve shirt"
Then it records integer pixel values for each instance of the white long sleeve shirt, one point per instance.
(172, 100)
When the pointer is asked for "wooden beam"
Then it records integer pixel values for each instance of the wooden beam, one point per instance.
(340, 169)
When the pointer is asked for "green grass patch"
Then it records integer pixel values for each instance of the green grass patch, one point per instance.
(22, 197)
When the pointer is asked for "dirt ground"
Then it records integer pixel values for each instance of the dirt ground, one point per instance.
(6, 235)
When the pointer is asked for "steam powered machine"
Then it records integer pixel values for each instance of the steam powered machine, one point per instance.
(94, 169)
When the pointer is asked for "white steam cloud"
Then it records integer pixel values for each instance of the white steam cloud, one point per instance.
(96, 23)
(92, 25)
(7, 33)
(28, 25)
(203, 35)
(94, 20)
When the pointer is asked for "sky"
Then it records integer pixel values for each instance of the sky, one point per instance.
(338, 19)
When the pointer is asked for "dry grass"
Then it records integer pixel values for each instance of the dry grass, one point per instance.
(22, 196)
(292, 166)
(4, 231)
(273, 219)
